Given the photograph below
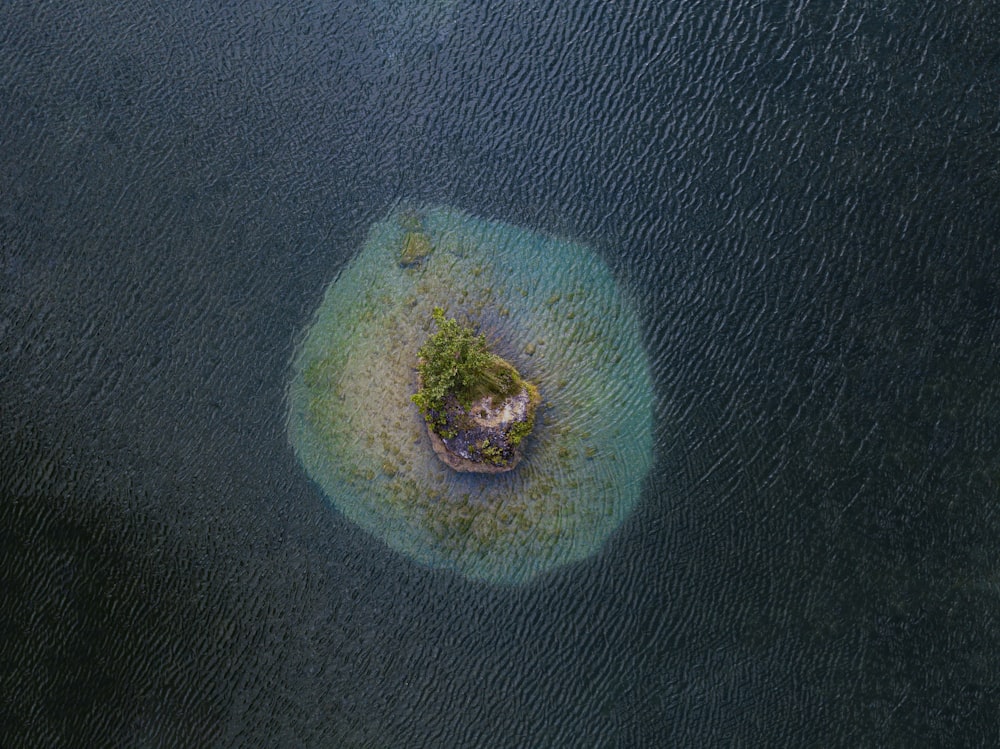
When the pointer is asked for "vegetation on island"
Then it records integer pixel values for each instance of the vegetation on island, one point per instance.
(457, 361)
(477, 407)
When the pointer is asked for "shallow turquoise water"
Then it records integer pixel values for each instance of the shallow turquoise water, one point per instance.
(363, 442)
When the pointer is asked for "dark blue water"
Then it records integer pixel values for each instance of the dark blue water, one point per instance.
(802, 199)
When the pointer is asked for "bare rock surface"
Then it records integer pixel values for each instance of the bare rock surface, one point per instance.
(485, 437)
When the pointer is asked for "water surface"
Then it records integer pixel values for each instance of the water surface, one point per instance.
(803, 199)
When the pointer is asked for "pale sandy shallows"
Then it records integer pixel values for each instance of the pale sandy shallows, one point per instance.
(362, 441)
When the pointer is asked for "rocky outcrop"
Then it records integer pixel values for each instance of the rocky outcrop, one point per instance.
(416, 246)
(486, 437)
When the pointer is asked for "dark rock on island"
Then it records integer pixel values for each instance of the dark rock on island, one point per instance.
(477, 407)
(485, 438)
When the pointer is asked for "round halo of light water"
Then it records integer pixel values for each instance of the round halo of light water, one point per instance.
(550, 306)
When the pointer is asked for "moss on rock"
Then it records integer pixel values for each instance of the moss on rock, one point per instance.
(416, 246)
(477, 406)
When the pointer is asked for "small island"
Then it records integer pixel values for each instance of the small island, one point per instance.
(477, 407)
(554, 311)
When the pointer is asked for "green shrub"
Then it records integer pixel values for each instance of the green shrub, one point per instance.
(456, 361)
(491, 453)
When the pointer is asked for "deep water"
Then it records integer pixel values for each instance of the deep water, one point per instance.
(802, 199)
